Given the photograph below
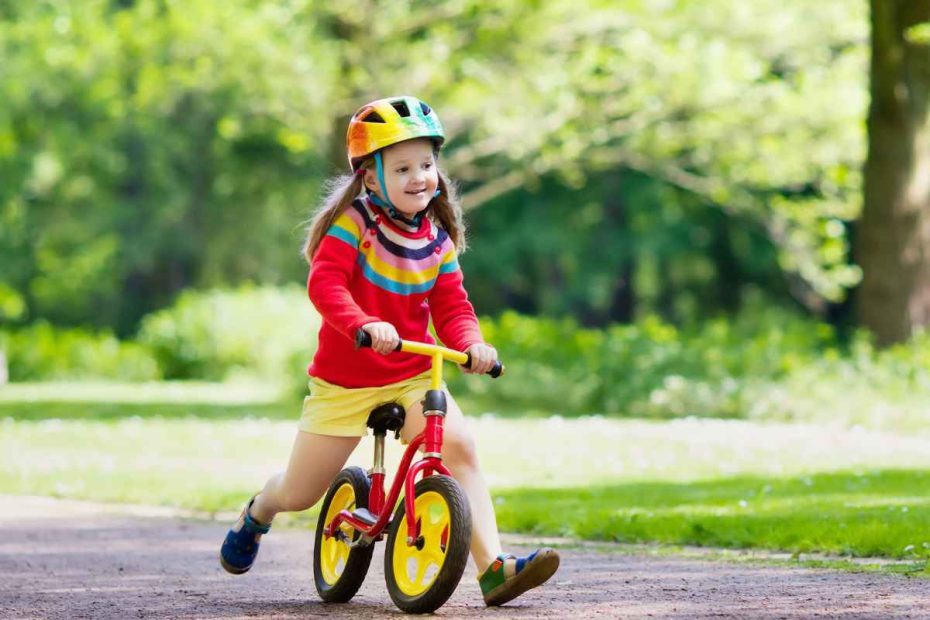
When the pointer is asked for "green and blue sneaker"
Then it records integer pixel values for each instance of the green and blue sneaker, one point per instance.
(509, 576)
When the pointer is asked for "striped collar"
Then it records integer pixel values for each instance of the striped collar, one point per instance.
(400, 224)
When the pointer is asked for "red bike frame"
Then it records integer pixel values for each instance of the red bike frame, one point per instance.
(430, 438)
(407, 476)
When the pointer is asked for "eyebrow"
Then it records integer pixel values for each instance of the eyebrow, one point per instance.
(407, 161)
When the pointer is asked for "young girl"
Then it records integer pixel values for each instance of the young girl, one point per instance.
(385, 261)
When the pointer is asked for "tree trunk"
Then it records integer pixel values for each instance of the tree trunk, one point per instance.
(894, 233)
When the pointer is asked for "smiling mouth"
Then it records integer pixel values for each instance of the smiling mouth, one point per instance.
(416, 193)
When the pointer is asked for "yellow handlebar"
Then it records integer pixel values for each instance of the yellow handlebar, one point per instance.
(436, 352)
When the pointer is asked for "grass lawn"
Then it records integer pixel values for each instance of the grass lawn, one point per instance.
(799, 488)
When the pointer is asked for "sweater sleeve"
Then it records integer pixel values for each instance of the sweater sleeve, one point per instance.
(453, 315)
(330, 273)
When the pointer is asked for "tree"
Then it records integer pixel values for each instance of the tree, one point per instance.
(893, 244)
(758, 116)
(150, 147)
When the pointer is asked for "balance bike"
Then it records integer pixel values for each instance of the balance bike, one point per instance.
(426, 553)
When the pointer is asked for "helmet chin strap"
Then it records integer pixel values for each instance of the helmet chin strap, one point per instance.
(386, 202)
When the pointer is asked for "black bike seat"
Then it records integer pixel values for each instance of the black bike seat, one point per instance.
(386, 417)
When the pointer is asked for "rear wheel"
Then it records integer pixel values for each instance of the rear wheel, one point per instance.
(421, 577)
(338, 569)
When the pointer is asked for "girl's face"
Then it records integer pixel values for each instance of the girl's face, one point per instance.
(410, 175)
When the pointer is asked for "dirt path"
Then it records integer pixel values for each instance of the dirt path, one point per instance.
(75, 560)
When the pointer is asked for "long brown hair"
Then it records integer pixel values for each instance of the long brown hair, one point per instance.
(445, 210)
(340, 192)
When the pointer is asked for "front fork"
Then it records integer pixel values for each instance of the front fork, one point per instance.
(434, 409)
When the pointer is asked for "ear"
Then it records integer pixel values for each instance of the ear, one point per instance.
(371, 179)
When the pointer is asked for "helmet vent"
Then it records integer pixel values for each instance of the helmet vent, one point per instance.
(401, 107)
(425, 109)
(373, 117)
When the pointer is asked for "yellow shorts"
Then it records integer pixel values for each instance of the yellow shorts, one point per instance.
(335, 410)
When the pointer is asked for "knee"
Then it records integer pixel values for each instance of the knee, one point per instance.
(459, 450)
(295, 500)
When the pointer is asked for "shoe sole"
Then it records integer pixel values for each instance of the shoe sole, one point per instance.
(533, 574)
(233, 569)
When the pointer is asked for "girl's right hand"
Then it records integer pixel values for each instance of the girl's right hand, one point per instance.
(384, 337)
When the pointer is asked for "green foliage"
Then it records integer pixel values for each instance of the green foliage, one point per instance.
(264, 332)
(42, 351)
(765, 364)
(11, 303)
(625, 246)
(148, 146)
(761, 119)
(869, 387)
(646, 369)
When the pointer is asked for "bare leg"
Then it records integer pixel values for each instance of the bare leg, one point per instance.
(459, 455)
(315, 461)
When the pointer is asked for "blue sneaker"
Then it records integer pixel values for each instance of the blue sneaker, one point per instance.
(241, 545)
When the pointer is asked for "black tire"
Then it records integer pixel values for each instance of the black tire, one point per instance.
(444, 499)
(338, 579)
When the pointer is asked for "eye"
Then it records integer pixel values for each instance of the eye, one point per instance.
(428, 165)
(402, 169)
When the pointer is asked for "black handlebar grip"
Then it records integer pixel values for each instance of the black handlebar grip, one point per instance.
(362, 338)
(496, 370)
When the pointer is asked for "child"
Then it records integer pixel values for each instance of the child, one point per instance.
(386, 262)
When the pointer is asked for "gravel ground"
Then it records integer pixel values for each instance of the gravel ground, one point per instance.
(65, 559)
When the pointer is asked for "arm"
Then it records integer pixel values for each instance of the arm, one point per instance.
(330, 273)
(453, 315)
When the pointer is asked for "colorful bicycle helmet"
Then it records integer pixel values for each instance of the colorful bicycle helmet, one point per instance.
(384, 122)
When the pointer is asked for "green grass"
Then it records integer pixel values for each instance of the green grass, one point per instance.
(101, 401)
(735, 484)
(877, 513)
(65, 411)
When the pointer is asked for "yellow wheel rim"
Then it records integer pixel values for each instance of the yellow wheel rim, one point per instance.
(334, 553)
(416, 567)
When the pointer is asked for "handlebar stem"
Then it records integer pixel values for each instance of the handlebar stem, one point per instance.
(435, 372)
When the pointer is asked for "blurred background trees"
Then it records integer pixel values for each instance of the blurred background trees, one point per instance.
(660, 157)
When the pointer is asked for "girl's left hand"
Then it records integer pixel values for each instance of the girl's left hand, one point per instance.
(483, 357)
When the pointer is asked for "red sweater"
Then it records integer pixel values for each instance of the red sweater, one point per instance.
(368, 269)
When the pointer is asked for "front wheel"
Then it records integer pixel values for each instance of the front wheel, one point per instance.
(422, 577)
(338, 569)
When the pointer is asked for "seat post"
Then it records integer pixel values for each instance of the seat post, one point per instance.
(383, 418)
(379, 455)
(376, 495)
